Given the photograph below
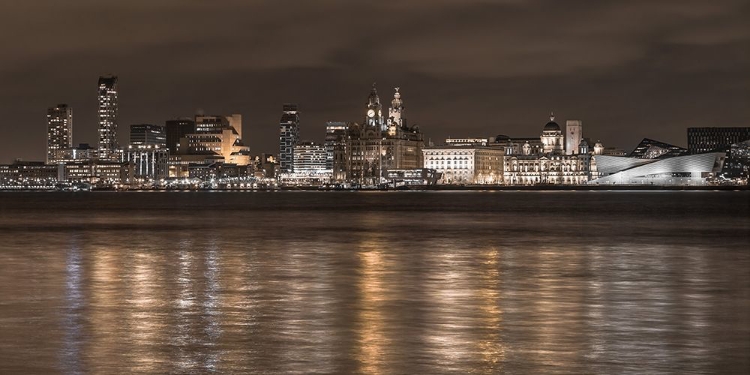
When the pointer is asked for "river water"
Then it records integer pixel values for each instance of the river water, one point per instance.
(375, 282)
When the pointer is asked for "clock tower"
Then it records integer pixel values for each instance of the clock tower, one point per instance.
(374, 110)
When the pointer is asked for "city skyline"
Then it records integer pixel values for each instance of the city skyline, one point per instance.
(499, 70)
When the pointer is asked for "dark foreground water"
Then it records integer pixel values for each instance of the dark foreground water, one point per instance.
(375, 283)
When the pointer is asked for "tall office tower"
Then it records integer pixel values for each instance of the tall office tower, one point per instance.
(177, 129)
(59, 131)
(288, 137)
(707, 139)
(573, 136)
(148, 135)
(108, 117)
(336, 150)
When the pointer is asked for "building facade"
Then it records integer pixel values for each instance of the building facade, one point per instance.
(176, 130)
(59, 131)
(148, 135)
(108, 106)
(545, 160)
(698, 169)
(381, 144)
(336, 149)
(288, 137)
(465, 164)
(709, 139)
(573, 136)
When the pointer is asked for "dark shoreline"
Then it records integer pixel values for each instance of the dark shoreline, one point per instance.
(433, 188)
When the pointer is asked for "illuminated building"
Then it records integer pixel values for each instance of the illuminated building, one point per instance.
(82, 152)
(737, 164)
(696, 169)
(710, 139)
(336, 149)
(288, 137)
(107, 95)
(530, 161)
(149, 162)
(465, 164)
(310, 161)
(59, 131)
(652, 149)
(731, 140)
(216, 138)
(552, 137)
(148, 135)
(379, 145)
(310, 158)
(176, 130)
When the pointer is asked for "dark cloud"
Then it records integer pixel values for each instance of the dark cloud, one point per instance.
(628, 69)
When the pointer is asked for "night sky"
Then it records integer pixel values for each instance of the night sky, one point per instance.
(627, 69)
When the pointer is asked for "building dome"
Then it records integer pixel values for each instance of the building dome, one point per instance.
(552, 125)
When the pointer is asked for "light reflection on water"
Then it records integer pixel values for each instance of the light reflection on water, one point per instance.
(423, 283)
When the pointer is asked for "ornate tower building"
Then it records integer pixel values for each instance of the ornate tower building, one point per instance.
(552, 137)
(374, 114)
(396, 117)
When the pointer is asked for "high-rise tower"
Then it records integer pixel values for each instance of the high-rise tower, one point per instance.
(374, 114)
(288, 137)
(59, 130)
(107, 96)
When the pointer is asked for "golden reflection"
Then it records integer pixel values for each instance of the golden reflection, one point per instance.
(491, 345)
(372, 340)
(106, 313)
(145, 326)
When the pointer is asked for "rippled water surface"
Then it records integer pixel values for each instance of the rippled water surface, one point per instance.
(375, 283)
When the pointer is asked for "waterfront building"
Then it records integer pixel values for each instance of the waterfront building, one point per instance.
(336, 149)
(176, 130)
(108, 108)
(652, 149)
(377, 145)
(59, 131)
(552, 137)
(148, 135)
(288, 137)
(81, 152)
(94, 171)
(28, 173)
(465, 164)
(544, 160)
(737, 164)
(698, 169)
(217, 139)
(150, 162)
(310, 158)
(573, 136)
(214, 123)
(709, 139)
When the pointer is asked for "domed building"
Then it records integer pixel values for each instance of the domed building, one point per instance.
(552, 137)
(530, 161)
